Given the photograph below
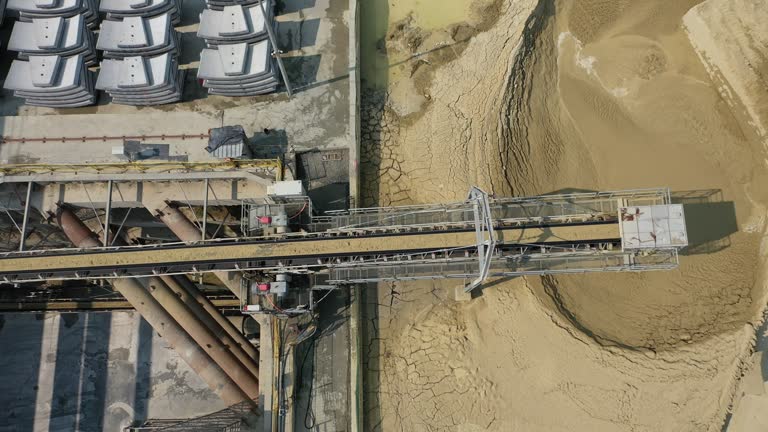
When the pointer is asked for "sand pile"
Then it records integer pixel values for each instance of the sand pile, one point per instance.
(586, 94)
(731, 38)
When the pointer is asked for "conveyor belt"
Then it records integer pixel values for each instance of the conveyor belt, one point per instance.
(293, 248)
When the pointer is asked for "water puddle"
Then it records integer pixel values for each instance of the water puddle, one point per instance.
(431, 14)
(377, 18)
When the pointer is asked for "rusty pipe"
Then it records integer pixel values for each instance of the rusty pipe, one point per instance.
(177, 222)
(79, 234)
(186, 231)
(223, 322)
(194, 299)
(160, 319)
(204, 337)
(191, 296)
(225, 353)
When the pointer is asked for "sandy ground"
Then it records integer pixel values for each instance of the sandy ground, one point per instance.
(531, 97)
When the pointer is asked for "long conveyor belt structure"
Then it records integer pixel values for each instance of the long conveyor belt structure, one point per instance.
(473, 239)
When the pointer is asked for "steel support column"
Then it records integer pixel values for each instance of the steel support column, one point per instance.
(26, 216)
(107, 215)
(160, 319)
(204, 228)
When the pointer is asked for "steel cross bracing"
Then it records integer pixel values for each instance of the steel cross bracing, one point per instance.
(486, 242)
(500, 246)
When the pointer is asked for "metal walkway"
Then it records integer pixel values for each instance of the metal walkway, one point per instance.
(472, 239)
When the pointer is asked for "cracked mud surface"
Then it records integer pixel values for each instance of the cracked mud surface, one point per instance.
(508, 361)
(563, 96)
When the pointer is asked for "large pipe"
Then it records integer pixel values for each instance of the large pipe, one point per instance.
(220, 353)
(186, 231)
(211, 318)
(188, 314)
(223, 322)
(191, 295)
(160, 320)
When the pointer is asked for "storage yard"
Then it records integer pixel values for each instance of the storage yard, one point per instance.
(332, 215)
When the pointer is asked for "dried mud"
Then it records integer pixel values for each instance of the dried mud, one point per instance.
(559, 96)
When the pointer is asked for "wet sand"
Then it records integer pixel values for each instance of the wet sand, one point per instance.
(554, 96)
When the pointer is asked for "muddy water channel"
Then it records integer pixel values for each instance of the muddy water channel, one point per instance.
(379, 23)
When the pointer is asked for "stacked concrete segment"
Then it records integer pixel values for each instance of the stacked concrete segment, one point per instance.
(239, 70)
(59, 36)
(138, 36)
(221, 4)
(119, 9)
(55, 45)
(235, 23)
(31, 9)
(238, 60)
(142, 80)
(141, 47)
(52, 81)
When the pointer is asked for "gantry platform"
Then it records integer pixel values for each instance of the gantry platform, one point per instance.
(472, 239)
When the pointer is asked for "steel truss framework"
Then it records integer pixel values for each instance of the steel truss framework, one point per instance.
(487, 257)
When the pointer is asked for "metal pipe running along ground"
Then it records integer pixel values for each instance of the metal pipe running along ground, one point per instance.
(160, 320)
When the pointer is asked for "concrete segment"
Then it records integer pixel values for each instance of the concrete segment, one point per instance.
(315, 38)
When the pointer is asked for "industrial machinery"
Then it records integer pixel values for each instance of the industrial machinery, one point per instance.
(279, 257)
(471, 240)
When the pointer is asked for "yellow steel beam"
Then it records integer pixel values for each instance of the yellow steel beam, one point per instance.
(146, 166)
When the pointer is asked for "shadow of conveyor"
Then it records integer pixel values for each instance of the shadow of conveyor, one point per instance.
(709, 219)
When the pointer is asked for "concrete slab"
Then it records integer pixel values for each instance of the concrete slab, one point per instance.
(172, 123)
(323, 398)
(751, 415)
(92, 372)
